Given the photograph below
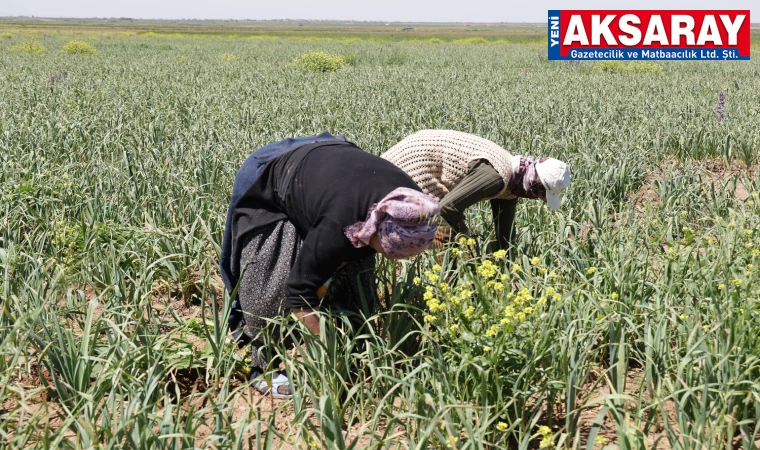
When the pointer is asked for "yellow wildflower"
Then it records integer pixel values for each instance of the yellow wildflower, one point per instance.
(499, 254)
(486, 349)
(469, 311)
(434, 305)
(721, 286)
(550, 291)
(470, 241)
(487, 269)
(436, 268)
(451, 441)
(416, 280)
(443, 287)
(433, 278)
(755, 195)
(546, 443)
(504, 277)
(682, 317)
(455, 252)
(748, 233)
(462, 241)
(736, 282)
(501, 426)
(601, 440)
(542, 271)
(705, 327)
(535, 261)
(498, 286)
(493, 331)
(755, 252)
(552, 275)
(515, 268)
(428, 318)
(313, 444)
(614, 296)
(454, 327)
(591, 270)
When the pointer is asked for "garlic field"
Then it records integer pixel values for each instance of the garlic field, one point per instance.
(628, 319)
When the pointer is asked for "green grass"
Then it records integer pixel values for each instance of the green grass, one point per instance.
(640, 309)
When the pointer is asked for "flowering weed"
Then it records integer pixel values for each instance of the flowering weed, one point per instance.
(79, 48)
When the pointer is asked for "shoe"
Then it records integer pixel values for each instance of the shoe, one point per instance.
(280, 384)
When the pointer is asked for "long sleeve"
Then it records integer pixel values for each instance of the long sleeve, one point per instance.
(481, 182)
(504, 221)
(323, 251)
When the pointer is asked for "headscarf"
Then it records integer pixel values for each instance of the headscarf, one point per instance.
(525, 182)
(405, 222)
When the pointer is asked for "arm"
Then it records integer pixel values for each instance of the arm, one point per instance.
(324, 250)
(481, 182)
(504, 221)
(310, 320)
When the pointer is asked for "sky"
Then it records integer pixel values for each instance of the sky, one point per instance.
(365, 10)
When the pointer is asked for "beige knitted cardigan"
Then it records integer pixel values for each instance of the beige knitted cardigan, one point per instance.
(437, 160)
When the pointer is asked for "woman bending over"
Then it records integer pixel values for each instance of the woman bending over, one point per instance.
(302, 210)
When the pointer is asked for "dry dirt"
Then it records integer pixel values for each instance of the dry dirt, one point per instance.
(712, 170)
(31, 402)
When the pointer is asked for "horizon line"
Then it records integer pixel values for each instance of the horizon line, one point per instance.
(266, 20)
(752, 24)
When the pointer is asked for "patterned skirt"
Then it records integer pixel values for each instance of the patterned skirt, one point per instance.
(267, 257)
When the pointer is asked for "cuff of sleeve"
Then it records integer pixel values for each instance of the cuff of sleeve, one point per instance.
(460, 227)
(301, 302)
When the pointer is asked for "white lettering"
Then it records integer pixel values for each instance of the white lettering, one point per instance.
(682, 31)
(601, 28)
(732, 27)
(626, 27)
(709, 32)
(554, 34)
(681, 25)
(575, 31)
(655, 31)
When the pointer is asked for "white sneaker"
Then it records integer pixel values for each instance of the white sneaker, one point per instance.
(280, 383)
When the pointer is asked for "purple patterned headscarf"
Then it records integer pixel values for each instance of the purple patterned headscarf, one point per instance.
(525, 182)
(405, 222)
